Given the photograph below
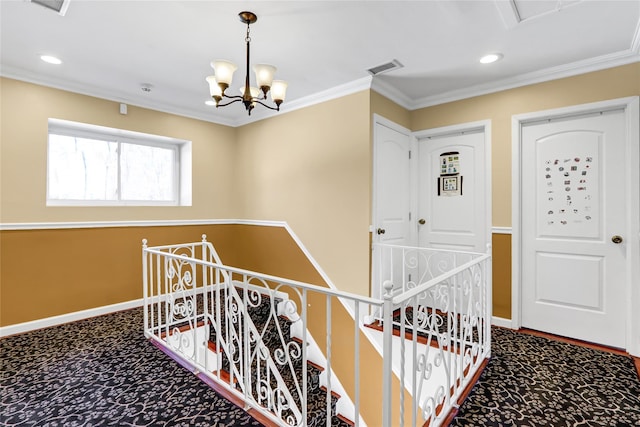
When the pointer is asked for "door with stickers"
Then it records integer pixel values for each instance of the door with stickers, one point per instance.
(573, 221)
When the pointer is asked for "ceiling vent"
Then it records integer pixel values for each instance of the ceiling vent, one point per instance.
(59, 6)
(385, 68)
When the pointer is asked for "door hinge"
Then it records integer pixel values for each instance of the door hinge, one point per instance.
(409, 154)
(409, 216)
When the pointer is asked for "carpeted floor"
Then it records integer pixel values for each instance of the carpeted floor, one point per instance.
(533, 381)
(102, 372)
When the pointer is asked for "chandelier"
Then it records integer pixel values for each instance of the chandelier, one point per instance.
(223, 76)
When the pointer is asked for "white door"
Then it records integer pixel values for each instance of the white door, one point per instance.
(455, 216)
(391, 193)
(391, 186)
(574, 215)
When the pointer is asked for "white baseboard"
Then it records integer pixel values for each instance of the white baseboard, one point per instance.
(502, 322)
(33, 325)
(20, 328)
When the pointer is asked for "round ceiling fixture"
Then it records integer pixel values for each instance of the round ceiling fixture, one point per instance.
(51, 59)
(490, 58)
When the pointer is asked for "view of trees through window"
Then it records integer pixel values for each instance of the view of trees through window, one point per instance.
(111, 171)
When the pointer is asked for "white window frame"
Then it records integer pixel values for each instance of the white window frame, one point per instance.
(181, 168)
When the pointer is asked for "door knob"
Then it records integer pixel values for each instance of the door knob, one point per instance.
(616, 239)
(421, 221)
(380, 230)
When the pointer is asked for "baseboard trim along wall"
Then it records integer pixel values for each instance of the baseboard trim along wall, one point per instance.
(33, 325)
(502, 322)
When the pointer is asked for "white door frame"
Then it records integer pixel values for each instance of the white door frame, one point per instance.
(483, 126)
(631, 106)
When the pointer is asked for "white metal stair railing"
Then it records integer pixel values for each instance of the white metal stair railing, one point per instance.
(440, 301)
(432, 317)
(234, 343)
(188, 321)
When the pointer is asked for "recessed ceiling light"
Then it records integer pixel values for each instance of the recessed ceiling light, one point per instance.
(51, 59)
(210, 102)
(492, 57)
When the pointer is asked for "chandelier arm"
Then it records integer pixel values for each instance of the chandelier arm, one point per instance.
(238, 98)
(277, 108)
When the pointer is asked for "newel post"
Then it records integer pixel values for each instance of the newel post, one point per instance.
(145, 287)
(387, 352)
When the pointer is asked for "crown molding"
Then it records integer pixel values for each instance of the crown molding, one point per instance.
(390, 92)
(625, 57)
(635, 42)
(568, 70)
(307, 101)
(114, 96)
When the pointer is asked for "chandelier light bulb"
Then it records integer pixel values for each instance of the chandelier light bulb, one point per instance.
(224, 71)
(214, 88)
(264, 75)
(278, 91)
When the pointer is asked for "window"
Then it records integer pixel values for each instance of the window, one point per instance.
(93, 165)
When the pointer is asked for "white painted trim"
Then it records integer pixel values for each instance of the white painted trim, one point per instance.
(635, 43)
(554, 73)
(631, 105)
(501, 230)
(313, 262)
(385, 89)
(502, 322)
(151, 223)
(336, 92)
(516, 227)
(615, 59)
(33, 325)
(110, 95)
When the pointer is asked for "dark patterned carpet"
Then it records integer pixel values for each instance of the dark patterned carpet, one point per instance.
(536, 382)
(102, 372)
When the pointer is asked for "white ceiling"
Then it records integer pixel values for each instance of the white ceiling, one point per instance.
(322, 48)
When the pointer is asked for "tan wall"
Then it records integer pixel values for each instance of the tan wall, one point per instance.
(312, 168)
(79, 269)
(24, 111)
(501, 275)
(499, 107)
